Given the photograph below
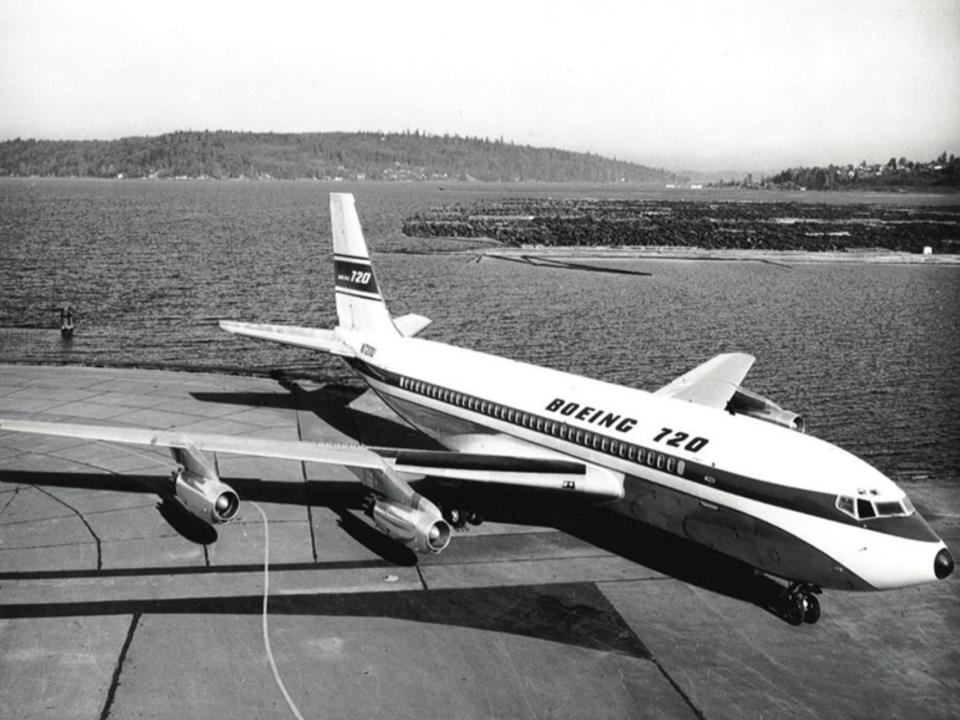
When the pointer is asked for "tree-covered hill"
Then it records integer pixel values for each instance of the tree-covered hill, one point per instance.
(373, 156)
(941, 173)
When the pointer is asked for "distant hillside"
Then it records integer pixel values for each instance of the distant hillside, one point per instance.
(940, 174)
(372, 156)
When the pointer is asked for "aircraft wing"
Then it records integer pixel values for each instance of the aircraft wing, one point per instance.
(377, 468)
(713, 383)
(411, 325)
(345, 455)
(313, 338)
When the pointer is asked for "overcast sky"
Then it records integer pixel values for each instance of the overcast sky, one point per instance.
(687, 84)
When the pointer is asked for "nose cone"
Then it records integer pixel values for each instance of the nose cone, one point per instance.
(943, 564)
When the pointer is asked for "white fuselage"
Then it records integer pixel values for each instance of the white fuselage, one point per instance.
(754, 490)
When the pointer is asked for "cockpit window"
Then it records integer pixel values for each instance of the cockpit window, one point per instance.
(889, 508)
(845, 505)
(864, 509)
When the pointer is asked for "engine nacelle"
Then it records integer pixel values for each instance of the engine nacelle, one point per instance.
(209, 499)
(751, 404)
(417, 529)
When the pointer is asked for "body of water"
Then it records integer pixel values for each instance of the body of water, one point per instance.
(869, 354)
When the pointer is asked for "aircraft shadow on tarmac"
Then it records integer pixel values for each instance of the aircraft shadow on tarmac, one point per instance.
(570, 613)
(646, 546)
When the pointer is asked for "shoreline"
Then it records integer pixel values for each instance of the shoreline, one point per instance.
(776, 257)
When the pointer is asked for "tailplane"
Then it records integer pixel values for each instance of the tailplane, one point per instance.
(360, 305)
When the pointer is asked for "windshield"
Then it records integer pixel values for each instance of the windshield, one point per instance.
(863, 508)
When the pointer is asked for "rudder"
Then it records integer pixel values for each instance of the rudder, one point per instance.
(360, 305)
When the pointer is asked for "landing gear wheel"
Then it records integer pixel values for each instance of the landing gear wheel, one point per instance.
(473, 517)
(457, 518)
(798, 604)
(812, 612)
(796, 609)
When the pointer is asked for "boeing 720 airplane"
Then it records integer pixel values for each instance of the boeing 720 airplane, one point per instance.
(702, 458)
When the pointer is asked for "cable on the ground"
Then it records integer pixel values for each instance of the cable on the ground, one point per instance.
(266, 593)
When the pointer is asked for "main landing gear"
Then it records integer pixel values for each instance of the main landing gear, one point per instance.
(799, 603)
(459, 519)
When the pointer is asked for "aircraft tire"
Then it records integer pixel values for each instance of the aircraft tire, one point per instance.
(811, 612)
(795, 610)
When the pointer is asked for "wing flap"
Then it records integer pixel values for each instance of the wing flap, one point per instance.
(531, 472)
(712, 383)
(313, 338)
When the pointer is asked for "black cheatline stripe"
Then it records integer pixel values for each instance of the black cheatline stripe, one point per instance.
(354, 258)
(376, 297)
(809, 502)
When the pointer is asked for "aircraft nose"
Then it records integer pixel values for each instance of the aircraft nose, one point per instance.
(943, 564)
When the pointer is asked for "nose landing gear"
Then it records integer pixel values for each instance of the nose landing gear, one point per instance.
(799, 604)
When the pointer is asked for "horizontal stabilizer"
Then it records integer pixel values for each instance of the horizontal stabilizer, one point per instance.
(313, 338)
(411, 325)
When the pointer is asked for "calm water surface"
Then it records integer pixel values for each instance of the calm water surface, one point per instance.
(870, 354)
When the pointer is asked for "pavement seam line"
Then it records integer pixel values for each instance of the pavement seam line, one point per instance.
(303, 474)
(13, 496)
(79, 514)
(680, 691)
(118, 669)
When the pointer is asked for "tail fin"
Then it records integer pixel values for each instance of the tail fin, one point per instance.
(360, 305)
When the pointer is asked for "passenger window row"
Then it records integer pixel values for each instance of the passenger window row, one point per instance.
(548, 426)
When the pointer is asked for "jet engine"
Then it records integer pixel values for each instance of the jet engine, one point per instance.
(210, 500)
(415, 528)
(199, 489)
(746, 402)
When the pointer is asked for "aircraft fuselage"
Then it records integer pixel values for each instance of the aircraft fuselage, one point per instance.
(759, 492)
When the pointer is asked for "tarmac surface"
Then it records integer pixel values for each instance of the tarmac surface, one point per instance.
(115, 603)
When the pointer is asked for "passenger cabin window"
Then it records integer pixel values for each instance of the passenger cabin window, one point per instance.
(859, 508)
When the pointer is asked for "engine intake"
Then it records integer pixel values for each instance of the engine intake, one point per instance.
(209, 499)
(751, 404)
(417, 529)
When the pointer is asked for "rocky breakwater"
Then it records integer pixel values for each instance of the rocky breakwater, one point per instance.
(712, 225)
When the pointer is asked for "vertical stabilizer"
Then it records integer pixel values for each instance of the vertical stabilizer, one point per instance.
(360, 306)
